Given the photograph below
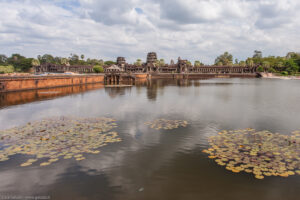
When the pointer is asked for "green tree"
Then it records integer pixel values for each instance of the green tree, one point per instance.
(266, 64)
(64, 61)
(35, 62)
(295, 57)
(98, 69)
(15, 58)
(225, 59)
(161, 62)
(291, 66)
(271, 70)
(47, 58)
(257, 54)
(249, 62)
(109, 62)
(236, 61)
(94, 62)
(279, 64)
(3, 59)
(284, 73)
(257, 57)
(57, 60)
(20, 63)
(139, 62)
(6, 69)
(101, 62)
(242, 63)
(260, 69)
(24, 65)
(219, 64)
(73, 59)
(82, 56)
(197, 63)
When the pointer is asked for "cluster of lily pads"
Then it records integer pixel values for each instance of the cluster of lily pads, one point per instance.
(259, 152)
(56, 138)
(166, 124)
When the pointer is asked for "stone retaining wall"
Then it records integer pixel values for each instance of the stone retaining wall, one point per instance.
(8, 84)
(199, 76)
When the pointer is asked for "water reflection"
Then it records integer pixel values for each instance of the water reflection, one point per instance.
(167, 164)
(114, 92)
(22, 97)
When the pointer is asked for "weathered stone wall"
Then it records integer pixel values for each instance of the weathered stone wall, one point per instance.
(199, 76)
(27, 83)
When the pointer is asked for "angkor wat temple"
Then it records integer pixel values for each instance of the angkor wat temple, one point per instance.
(151, 66)
(182, 66)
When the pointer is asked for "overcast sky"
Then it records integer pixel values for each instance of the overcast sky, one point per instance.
(191, 29)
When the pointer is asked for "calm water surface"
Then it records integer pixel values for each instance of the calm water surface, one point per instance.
(151, 164)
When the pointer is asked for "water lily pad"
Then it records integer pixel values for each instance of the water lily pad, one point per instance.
(259, 152)
(58, 137)
(166, 124)
(26, 164)
(45, 163)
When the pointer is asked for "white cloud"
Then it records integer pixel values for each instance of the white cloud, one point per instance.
(192, 29)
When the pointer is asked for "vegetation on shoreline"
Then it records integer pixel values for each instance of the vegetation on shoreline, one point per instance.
(6, 69)
(288, 65)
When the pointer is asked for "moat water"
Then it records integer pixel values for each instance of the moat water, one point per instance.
(149, 163)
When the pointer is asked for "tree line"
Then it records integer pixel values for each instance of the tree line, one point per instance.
(19, 63)
(290, 64)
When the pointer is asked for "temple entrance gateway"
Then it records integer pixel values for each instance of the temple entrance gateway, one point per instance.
(114, 75)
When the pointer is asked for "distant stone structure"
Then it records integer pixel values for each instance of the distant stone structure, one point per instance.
(113, 69)
(172, 62)
(151, 58)
(150, 66)
(53, 68)
(121, 61)
(182, 66)
(291, 54)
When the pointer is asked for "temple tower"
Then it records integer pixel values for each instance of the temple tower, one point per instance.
(151, 61)
(181, 66)
(121, 62)
(151, 58)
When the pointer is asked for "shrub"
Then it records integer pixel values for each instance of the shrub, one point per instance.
(260, 69)
(292, 67)
(6, 69)
(98, 69)
(284, 73)
(271, 70)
